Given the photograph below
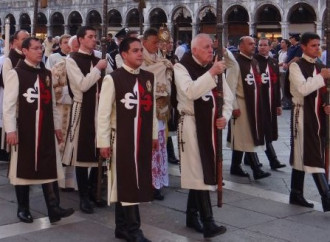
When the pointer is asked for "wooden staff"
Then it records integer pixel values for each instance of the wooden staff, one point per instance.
(219, 104)
(327, 150)
(35, 16)
(104, 52)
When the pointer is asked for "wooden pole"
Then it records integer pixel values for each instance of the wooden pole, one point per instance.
(327, 151)
(219, 158)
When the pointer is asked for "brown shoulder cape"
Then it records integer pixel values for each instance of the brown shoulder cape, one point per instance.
(86, 150)
(314, 120)
(205, 115)
(36, 153)
(251, 79)
(134, 114)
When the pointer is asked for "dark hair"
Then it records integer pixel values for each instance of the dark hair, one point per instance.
(279, 39)
(109, 34)
(150, 32)
(308, 36)
(264, 38)
(81, 32)
(27, 42)
(125, 44)
(287, 42)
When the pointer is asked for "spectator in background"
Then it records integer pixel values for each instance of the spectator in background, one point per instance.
(180, 49)
(48, 46)
(324, 54)
(282, 55)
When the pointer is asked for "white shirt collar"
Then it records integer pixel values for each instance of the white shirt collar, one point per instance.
(131, 70)
(309, 59)
(32, 65)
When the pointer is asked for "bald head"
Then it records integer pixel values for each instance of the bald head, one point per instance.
(202, 48)
(247, 45)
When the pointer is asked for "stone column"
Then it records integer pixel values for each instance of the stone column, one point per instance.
(285, 30)
(319, 29)
(18, 27)
(49, 30)
(252, 28)
(146, 25)
(66, 29)
(194, 28)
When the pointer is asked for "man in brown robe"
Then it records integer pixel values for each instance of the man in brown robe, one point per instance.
(84, 75)
(31, 131)
(127, 131)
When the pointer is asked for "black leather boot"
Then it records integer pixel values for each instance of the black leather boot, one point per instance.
(210, 229)
(121, 231)
(158, 195)
(133, 221)
(271, 155)
(93, 175)
(192, 218)
(257, 172)
(54, 213)
(247, 160)
(23, 201)
(297, 189)
(82, 182)
(323, 187)
(236, 167)
(64, 212)
(170, 152)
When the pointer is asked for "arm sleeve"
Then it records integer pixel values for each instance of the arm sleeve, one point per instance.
(10, 102)
(190, 88)
(107, 98)
(77, 78)
(302, 85)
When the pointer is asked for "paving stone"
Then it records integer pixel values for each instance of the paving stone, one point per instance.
(271, 208)
(239, 218)
(291, 231)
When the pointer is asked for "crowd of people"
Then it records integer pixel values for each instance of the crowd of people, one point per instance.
(66, 110)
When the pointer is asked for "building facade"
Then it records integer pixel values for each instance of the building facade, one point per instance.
(184, 18)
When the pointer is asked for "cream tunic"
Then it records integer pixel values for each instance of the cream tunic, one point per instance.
(188, 91)
(107, 125)
(241, 136)
(10, 107)
(78, 84)
(299, 88)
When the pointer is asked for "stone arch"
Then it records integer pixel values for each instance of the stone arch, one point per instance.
(236, 19)
(301, 18)
(267, 19)
(74, 22)
(94, 19)
(207, 19)
(132, 18)
(157, 17)
(57, 23)
(182, 23)
(115, 19)
(25, 22)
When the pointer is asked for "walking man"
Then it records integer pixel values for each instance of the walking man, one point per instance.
(195, 78)
(127, 133)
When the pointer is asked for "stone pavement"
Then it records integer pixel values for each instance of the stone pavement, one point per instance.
(252, 210)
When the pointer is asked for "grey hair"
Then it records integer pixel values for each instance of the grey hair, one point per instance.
(196, 39)
(71, 40)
